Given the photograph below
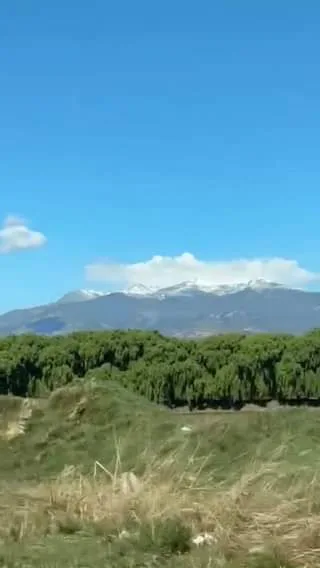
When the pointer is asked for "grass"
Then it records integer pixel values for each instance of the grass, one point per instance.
(246, 484)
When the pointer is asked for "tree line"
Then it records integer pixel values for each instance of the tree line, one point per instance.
(225, 370)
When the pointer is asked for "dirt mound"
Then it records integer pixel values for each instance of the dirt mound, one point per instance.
(16, 425)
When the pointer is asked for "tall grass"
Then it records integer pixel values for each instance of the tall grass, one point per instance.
(233, 491)
(265, 513)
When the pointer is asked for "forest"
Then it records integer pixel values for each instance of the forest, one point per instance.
(225, 371)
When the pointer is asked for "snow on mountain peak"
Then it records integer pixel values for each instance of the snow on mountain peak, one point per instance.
(218, 289)
(261, 283)
(258, 284)
(193, 286)
(139, 290)
(90, 294)
(186, 288)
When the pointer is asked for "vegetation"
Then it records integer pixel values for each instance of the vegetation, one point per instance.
(226, 371)
(93, 474)
(247, 483)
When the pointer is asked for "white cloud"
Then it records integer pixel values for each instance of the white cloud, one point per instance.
(15, 235)
(162, 271)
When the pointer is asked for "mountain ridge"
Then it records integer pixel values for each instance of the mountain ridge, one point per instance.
(81, 295)
(183, 310)
(188, 286)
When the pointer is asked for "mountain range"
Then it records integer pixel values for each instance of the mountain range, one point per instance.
(185, 309)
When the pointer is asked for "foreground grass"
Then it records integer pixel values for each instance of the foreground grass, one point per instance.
(248, 484)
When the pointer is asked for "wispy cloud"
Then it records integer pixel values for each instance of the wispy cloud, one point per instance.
(15, 235)
(162, 271)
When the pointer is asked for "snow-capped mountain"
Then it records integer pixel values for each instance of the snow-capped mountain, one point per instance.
(188, 288)
(80, 296)
(192, 309)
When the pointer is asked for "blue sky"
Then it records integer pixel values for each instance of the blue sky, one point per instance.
(138, 129)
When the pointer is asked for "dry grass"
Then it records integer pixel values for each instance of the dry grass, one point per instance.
(14, 423)
(265, 511)
(248, 482)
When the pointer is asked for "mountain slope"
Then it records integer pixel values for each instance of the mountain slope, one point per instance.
(79, 296)
(183, 310)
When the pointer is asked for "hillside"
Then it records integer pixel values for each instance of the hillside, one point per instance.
(183, 310)
(107, 479)
(97, 471)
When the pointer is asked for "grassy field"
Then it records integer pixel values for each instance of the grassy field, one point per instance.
(212, 490)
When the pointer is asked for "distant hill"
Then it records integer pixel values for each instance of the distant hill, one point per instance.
(182, 310)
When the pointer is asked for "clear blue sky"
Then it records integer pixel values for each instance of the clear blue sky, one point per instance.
(134, 129)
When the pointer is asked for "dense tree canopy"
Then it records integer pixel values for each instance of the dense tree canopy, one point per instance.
(227, 370)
